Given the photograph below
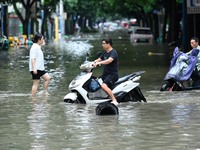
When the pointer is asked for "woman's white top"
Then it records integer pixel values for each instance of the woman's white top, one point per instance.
(37, 54)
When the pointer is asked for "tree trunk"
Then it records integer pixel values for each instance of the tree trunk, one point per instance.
(156, 26)
(164, 27)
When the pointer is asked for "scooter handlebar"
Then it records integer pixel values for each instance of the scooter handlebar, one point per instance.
(86, 66)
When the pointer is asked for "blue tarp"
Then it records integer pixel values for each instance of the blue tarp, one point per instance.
(182, 65)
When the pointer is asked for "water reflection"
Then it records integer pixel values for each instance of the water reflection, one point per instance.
(89, 130)
(3, 58)
(185, 110)
(38, 121)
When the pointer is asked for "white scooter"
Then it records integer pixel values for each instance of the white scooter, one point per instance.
(85, 88)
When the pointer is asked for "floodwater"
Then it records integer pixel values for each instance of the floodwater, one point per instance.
(169, 120)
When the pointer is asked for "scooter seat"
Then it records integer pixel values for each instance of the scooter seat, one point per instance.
(122, 79)
(127, 77)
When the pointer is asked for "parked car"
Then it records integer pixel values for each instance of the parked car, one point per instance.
(141, 34)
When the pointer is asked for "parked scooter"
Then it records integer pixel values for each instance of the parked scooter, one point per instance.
(85, 88)
(4, 43)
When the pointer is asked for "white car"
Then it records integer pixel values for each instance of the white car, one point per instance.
(141, 34)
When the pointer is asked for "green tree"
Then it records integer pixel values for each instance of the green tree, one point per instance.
(32, 12)
(48, 7)
(145, 11)
(24, 18)
(82, 11)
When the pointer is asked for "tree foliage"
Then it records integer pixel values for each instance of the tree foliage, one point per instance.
(32, 12)
(144, 11)
(27, 4)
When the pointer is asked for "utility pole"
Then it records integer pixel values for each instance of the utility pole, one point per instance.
(184, 18)
(56, 25)
(2, 19)
(61, 19)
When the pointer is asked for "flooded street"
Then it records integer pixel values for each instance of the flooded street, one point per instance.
(169, 120)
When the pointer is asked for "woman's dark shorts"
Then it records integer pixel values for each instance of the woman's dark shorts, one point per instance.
(38, 75)
(109, 80)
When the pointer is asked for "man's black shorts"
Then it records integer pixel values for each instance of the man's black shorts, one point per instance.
(109, 80)
(38, 75)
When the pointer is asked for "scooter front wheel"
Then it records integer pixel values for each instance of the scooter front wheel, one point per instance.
(72, 101)
(69, 101)
(165, 87)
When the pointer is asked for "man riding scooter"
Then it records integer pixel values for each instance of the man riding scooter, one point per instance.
(194, 42)
(109, 59)
(183, 67)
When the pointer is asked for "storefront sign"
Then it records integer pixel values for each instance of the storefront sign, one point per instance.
(193, 6)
